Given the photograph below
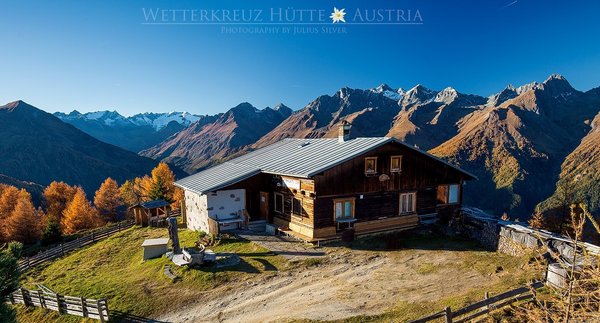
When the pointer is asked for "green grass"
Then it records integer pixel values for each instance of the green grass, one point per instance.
(113, 269)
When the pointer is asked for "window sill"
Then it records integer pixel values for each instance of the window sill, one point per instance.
(407, 213)
(345, 220)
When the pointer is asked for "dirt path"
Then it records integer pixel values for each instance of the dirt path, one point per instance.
(346, 284)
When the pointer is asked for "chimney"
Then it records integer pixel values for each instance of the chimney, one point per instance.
(344, 131)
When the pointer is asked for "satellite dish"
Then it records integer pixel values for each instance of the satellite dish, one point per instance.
(384, 177)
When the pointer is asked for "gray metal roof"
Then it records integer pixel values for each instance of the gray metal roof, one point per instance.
(292, 157)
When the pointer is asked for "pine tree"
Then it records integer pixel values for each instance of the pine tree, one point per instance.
(23, 225)
(51, 233)
(158, 191)
(107, 199)
(56, 197)
(79, 214)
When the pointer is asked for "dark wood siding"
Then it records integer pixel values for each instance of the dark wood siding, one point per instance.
(420, 174)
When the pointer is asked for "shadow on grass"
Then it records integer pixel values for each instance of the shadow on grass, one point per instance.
(117, 316)
(266, 264)
(413, 239)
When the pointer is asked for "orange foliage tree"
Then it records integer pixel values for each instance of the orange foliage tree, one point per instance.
(56, 198)
(107, 199)
(24, 223)
(79, 214)
(8, 199)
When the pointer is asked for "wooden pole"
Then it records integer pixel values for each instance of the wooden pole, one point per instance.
(486, 296)
(23, 296)
(448, 313)
(100, 312)
(93, 237)
(41, 299)
(83, 308)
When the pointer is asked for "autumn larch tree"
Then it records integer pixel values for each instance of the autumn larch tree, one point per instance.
(24, 224)
(56, 198)
(108, 199)
(8, 199)
(537, 221)
(131, 192)
(79, 214)
(163, 177)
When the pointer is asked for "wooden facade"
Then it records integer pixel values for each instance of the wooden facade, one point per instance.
(403, 185)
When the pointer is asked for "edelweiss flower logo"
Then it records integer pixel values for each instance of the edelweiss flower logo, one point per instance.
(338, 15)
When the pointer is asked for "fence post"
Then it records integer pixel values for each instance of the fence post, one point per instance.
(23, 296)
(486, 296)
(62, 249)
(100, 312)
(93, 237)
(119, 226)
(448, 313)
(41, 299)
(83, 308)
(28, 263)
(11, 298)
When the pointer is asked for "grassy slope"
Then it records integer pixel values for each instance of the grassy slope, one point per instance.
(114, 269)
(140, 288)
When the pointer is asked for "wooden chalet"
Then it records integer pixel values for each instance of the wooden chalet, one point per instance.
(317, 188)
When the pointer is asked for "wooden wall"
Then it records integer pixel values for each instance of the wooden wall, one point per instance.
(420, 174)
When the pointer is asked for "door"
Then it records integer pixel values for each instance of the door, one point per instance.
(264, 205)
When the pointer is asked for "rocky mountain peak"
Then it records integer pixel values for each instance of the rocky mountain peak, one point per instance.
(446, 96)
(418, 94)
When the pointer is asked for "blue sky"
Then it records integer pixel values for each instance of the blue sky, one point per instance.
(92, 55)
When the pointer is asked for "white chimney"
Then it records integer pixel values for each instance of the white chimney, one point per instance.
(344, 131)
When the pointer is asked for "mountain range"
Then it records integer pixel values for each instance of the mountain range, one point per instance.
(38, 147)
(134, 133)
(521, 142)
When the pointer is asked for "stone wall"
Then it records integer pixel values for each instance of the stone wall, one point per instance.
(512, 238)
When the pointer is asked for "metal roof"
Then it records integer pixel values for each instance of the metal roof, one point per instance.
(292, 157)
(154, 204)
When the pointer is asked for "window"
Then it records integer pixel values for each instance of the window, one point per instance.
(448, 194)
(453, 193)
(395, 164)
(343, 208)
(297, 206)
(287, 205)
(278, 202)
(371, 165)
(408, 202)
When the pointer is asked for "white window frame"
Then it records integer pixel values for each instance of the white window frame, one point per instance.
(278, 195)
(413, 206)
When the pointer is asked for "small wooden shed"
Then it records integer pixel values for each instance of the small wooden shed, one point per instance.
(149, 213)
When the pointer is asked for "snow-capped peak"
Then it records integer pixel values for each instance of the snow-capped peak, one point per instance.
(418, 94)
(161, 120)
(446, 96)
(389, 92)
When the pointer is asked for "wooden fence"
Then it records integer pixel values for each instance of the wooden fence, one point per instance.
(485, 306)
(86, 307)
(59, 251)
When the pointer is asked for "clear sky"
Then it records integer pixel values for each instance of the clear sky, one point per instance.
(102, 54)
